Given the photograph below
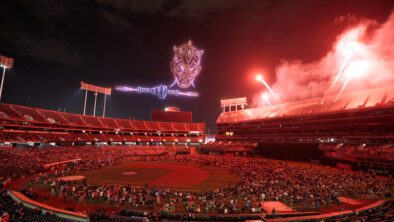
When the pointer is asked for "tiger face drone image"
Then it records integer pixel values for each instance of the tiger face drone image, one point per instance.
(185, 67)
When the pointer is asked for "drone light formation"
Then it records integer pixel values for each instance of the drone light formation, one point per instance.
(161, 91)
(185, 65)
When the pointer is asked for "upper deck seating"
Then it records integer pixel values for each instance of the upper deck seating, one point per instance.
(92, 121)
(30, 113)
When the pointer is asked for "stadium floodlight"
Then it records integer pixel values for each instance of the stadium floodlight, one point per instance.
(259, 78)
(233, 103)
(6, 63)
(96, 89)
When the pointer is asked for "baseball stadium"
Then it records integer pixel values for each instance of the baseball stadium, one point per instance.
(309, 139)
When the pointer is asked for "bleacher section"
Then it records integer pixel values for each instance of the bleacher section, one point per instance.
(109, 123)
(24, 124)
(29, 114)
(53, 117)
(363, 118)
(7, 112)
(379, 97)
(124, 124)
(138, 125)
(74, 119)
(359, 117)
(92, 121)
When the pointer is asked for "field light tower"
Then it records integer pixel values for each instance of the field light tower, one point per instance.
(96, 89)
(6, 63)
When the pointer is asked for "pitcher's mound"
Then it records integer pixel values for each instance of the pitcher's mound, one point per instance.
(129, 173)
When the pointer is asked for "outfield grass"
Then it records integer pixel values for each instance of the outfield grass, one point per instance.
(107, 175)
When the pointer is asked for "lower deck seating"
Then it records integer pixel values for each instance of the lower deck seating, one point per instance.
(379, 214)
(19, 213)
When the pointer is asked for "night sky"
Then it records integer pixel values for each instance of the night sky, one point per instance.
(56, 44)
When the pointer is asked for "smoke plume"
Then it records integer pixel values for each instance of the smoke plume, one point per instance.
(361, 57)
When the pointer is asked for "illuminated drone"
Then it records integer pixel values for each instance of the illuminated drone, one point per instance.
(185, 65)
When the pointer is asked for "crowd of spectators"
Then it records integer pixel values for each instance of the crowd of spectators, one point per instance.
(25, 160)
(380, 153)
(301, 187)
(13, 211)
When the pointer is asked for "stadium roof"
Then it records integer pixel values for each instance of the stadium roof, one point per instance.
(359, 99)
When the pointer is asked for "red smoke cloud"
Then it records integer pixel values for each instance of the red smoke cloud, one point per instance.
(365, 55)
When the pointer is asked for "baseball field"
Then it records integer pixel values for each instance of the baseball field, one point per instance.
(164, 174)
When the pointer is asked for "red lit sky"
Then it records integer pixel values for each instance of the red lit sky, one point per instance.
(56, 44)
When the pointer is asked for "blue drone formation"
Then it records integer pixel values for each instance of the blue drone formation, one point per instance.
(160, 91)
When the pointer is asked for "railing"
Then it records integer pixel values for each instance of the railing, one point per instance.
(27, 202)
(332, 215)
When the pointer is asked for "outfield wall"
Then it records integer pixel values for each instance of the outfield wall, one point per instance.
(29, 203)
